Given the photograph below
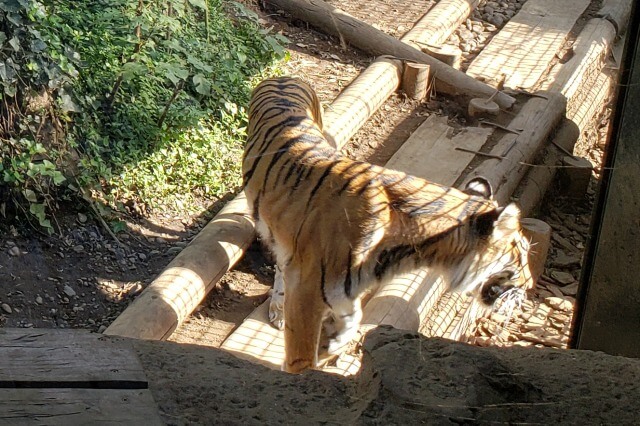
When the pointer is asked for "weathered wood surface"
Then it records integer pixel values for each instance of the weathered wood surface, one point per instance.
(430, 152)
(361, 99)
(416, 80)
(66, 377)
(78, 407)
(439, 23)
(42, 357)
(363, 36)
(524, 48)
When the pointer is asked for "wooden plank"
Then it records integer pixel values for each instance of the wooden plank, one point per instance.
(430, 152)
(78, 407)
(66, 358)
(524, 48)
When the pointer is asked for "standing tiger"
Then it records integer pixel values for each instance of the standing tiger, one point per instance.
(337, 227)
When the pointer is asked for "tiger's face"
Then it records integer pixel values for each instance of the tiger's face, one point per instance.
(506, 258)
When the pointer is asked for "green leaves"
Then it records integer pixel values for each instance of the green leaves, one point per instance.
(150, 96)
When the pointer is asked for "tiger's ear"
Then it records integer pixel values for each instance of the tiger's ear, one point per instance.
(508, 221)
(479, 187)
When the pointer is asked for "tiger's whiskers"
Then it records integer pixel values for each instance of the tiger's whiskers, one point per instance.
(509, 302)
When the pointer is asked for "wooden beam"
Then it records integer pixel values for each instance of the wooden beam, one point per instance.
(340, 24)
(524, 48)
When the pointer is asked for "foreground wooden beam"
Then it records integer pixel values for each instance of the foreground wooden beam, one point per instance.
(340, 24)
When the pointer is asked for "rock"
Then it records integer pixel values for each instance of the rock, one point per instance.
(562, 304)
(570, 290)
(173, 250)
(78, 248)
(6, 308)
(39, 300)
(102, 328)
(69, 291)
(563, 260)
(82, 218)
(14, 251)
(496, 20)
(563, 278)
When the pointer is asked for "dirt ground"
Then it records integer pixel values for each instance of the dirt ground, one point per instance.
(83, 278)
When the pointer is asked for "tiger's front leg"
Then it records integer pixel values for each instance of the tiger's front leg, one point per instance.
(276, 306)
(304, 309)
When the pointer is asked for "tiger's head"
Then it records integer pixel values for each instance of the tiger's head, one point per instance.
(503, 266)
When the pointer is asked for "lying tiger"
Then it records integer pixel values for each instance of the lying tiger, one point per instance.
(338, 227)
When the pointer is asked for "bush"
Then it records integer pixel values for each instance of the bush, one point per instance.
(138, 101)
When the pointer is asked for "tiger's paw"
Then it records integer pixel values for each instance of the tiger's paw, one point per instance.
(276, 310)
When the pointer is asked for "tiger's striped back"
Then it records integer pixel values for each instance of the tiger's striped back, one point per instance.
(338, 227)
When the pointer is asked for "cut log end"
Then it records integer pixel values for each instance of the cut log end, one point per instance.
(416, 80)
(479, 107)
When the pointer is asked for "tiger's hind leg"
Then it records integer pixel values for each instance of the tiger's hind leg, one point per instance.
(276, 306)
(304, 310)
(347, 315)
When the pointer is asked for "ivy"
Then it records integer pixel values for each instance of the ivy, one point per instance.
(136, 100)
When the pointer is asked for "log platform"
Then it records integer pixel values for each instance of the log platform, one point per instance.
(503, 152)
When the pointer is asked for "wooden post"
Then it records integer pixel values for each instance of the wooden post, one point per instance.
(340, 24)
(415, 80)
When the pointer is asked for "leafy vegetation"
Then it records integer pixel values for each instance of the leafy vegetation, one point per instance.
(137, 101)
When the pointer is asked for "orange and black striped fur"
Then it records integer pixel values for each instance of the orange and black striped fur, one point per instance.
(338, 227)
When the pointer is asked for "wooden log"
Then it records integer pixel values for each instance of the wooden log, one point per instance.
(439, 23)
(361, 99)
(590, 51)
(340, 24)
(173, 295)
(523, 49)
(534, 185)
(617, 12)
(415, 80)
(533, 125)
(593, 95)
(450, 55)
